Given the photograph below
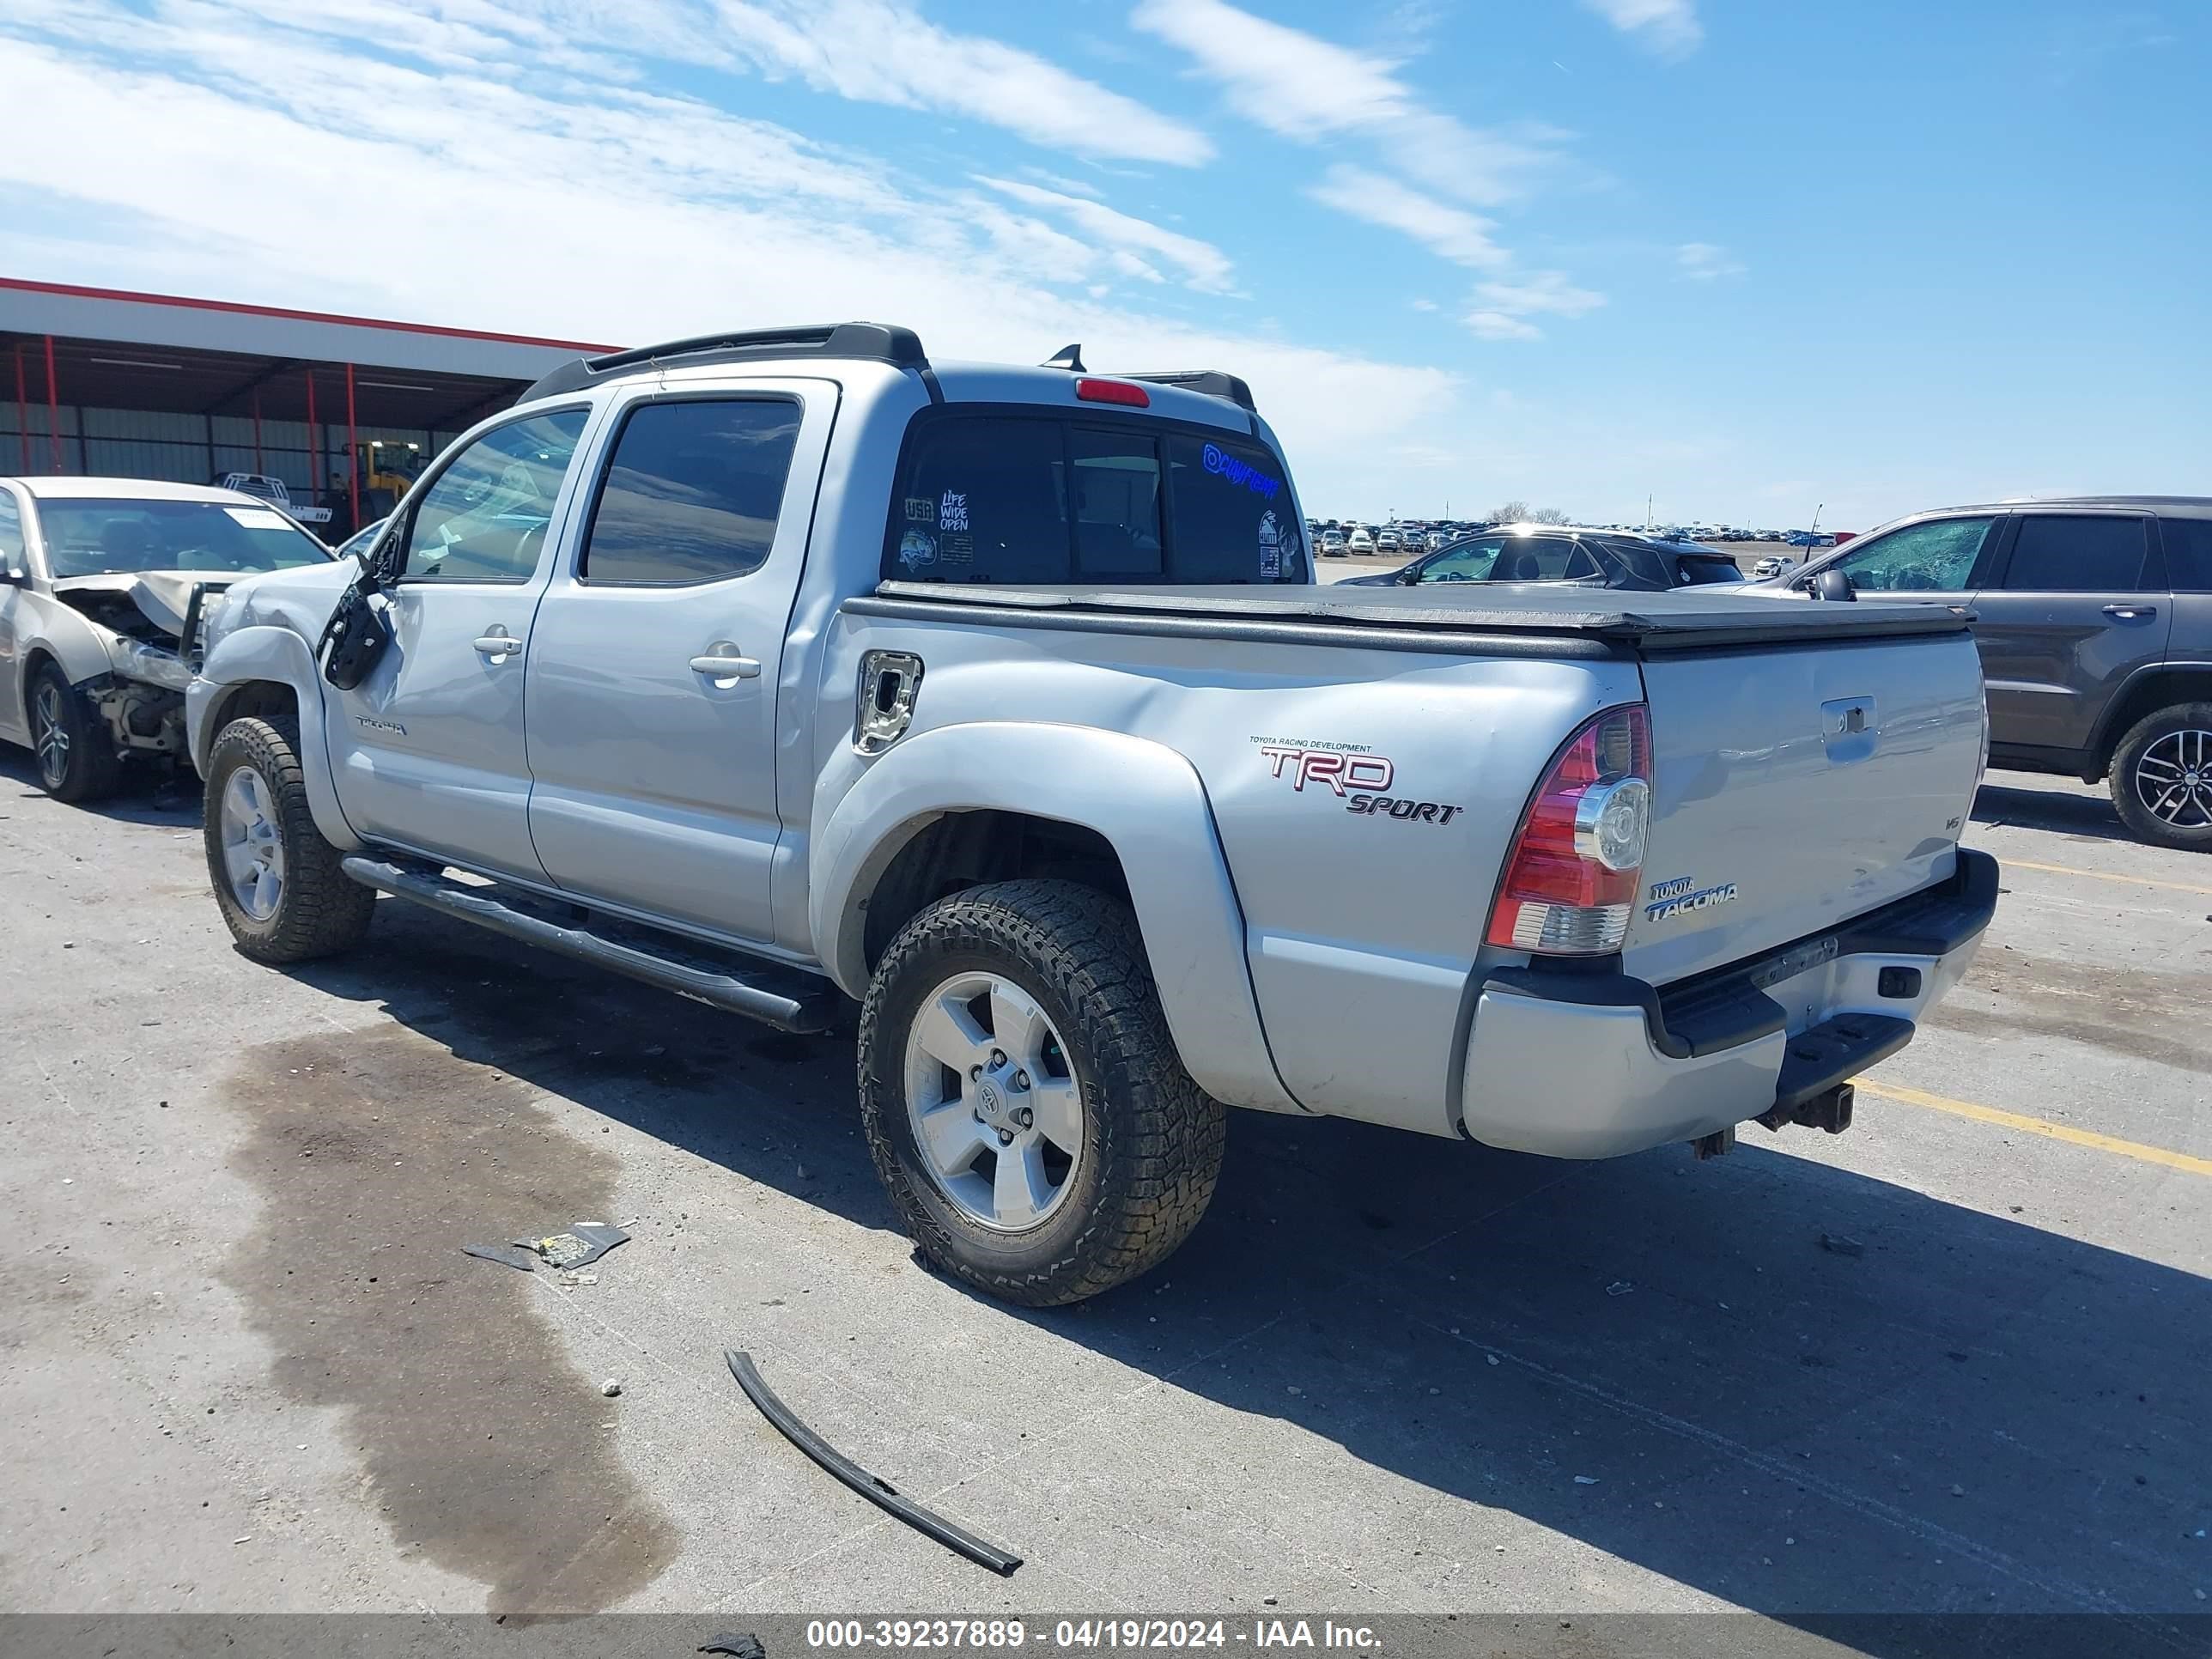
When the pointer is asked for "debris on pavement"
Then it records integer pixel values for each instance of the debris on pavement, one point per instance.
(1841, 1244)
(877, 1490)
(612, 1386)
(508, 1255)
(738, 1644)
(585, 1243)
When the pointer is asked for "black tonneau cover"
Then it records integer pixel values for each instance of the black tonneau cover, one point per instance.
(1685, 619)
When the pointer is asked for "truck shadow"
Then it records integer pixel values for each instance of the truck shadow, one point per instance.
(1936, 1411)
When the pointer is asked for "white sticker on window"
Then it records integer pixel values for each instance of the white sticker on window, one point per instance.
(258, 518)
(952, 511)
(1271, 547)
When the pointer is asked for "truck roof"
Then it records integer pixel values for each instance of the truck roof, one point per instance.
(1690, 618)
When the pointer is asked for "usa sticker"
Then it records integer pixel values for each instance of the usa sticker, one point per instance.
(952, 512)
(919, 509)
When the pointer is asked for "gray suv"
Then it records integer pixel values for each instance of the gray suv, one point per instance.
(2093, 614)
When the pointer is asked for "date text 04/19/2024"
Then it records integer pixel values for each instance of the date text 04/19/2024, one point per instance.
(1259, 1635)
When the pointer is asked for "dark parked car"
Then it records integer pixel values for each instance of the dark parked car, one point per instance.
(2094, 619)
(1545, 553)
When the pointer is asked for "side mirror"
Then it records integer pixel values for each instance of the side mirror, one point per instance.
(14, 576)
(1409, 575)
(1834, 584)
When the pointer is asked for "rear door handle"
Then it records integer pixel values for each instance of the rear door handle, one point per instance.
(498, 645)
(723, 663)
(2131, 612)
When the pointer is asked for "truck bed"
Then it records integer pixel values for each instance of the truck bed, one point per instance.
(1691, 618)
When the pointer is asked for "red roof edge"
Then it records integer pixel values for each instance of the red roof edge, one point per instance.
(76, 291)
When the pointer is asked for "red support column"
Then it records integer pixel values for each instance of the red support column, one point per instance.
(352, 454)
(258, 467)
(53, 409)
(314, 451)
(22, 410)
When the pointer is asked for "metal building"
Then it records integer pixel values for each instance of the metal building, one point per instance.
(153, 385)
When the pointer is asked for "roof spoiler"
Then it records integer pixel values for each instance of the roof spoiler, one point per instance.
(1214, 382)
(881, 342)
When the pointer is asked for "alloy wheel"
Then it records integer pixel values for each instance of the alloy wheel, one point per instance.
(253, 846)
(996, 1108)
(2173, 779)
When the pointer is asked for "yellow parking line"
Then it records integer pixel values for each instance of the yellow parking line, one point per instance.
(2102, 875)
(2036, 1125)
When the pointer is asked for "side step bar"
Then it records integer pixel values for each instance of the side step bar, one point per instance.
(786, 998)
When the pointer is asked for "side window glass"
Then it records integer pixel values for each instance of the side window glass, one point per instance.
(2076, 553)
(692, 493)
(484, 517)
(1115, 486)
(1936, 558)
(1469, 561)
(2188, 554)
(14, 560)
(1234, 521)
(982, 501)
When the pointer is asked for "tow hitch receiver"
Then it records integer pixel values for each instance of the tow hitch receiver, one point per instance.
(1831, 1111)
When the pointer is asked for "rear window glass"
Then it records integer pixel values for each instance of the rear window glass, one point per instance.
(2076, 553)
(1017, 499)
(693, 491)
(2188, 554)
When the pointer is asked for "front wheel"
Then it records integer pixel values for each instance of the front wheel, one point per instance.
(77, 760)
(277, 880)
(1022, 1098)
(2161, 779)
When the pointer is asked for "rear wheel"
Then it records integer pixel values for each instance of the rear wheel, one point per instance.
(77, 759)
(277, 880)
(2161, 779)
(1023, 1102)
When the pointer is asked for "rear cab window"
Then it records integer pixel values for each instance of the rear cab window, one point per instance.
(1034, 495)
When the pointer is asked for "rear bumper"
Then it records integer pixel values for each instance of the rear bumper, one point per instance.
(1585, 1064)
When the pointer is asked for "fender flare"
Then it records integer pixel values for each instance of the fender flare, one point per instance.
(1148, 802)
(263, 652)
(67, 640)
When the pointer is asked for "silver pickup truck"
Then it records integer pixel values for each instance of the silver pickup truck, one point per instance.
(794, 670)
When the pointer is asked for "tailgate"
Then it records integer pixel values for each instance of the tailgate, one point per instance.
(1796, 785)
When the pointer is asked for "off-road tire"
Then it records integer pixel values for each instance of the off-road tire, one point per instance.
(322, 910)
(93, 770)
(2145, 824)
(1152, 1138)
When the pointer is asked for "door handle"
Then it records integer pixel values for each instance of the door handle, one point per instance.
(723, 663)
(2131, 612)
(497, 644)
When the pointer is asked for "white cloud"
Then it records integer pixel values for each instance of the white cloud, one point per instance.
(1205, 266)
(580, 207)
(884, 53)
(1452, 233)
(1703, 262)
(1499, 325)
(1502, 309)
(1669, 28)
(1307, 89)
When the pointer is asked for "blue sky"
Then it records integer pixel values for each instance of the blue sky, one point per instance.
(1747, 257)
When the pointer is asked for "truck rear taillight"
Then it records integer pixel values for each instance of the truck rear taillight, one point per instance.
(1571, 881)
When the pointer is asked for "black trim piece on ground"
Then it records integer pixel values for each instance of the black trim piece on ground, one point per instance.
(874, 1488)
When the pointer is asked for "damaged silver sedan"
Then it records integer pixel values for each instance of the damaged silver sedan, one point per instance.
(104, 584)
